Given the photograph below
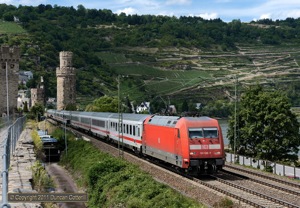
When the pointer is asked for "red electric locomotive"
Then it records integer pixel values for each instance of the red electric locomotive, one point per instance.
(193, 144)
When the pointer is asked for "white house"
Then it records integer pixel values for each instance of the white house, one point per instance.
(144, 106)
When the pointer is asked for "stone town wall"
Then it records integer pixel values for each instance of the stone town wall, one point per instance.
(9, 59)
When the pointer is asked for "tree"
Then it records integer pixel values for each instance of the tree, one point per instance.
(25, 109)
(37, 111)
(103, 104)
(185, 106)
(267, 128)
(71, 107)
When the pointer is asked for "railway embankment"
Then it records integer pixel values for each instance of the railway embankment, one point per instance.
(114, 182)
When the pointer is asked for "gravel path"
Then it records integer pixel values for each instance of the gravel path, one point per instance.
(64, 184)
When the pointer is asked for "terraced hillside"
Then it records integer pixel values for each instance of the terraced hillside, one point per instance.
(182, 73)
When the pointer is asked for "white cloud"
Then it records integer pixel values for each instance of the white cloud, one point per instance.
(208, 15)
(180, 2)
(127, 11)
(278, 9)
(265, 16)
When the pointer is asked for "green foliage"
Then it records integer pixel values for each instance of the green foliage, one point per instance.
(105, 45)
(11, 28)
(185, 106)
(269, 169)
(103, 104)
(113, 182)
(38, 145)
(41, 179)
(37, 111)
(219, 108)
(224, 203)
(59, 134)
(267, 129)
(71, 107)
(25, 109)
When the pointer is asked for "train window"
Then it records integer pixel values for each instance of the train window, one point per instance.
(178, 133)
(98, 123)
(138, 131)
(169, 122)
(196, 133)
(133, 130)
(85, 120)
(174, 122)
(123, 128)
(130, 129)
(75, 118)
(210, 132)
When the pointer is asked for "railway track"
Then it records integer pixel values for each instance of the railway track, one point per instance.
(242, 195)
(251, 173)
(267, 193)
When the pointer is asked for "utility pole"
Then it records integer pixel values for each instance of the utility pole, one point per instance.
(120, 123)
(235, 117)
(65, 125)
(7, 98)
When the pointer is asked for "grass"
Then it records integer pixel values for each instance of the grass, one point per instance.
(10, 28)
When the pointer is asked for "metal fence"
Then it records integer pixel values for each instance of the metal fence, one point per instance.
(8, 145)
(5, 122)
(279, 169)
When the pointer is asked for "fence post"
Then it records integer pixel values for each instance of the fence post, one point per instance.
(13, 135)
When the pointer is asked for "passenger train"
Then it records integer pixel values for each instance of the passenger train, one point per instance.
(192, 144)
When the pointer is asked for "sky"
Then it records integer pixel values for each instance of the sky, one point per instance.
(226, 10)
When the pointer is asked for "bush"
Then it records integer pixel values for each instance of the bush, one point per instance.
(38, 145)
(269, 169)
(224, 203)
(41, 180)
(113, 182)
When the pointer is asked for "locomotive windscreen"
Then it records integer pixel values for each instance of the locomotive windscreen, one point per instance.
(210, 132)
(195, 133)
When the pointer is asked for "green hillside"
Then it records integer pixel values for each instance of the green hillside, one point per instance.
(10, 28)
(159, 58)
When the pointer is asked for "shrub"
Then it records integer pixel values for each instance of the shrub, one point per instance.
(112, 182)
(224, 203)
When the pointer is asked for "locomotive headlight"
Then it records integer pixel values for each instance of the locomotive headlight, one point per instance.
(217, 153)
(192, 153)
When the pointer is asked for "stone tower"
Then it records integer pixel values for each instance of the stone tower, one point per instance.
(37, 94)
(9, 61)
(66, 81)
